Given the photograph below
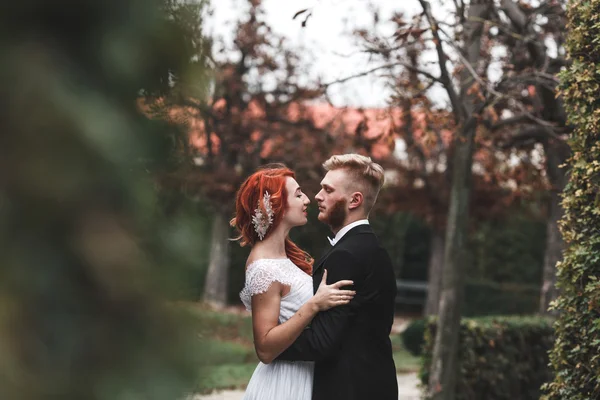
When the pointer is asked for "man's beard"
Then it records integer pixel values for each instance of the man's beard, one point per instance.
(336, 216)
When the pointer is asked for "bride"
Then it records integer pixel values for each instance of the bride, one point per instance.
(279, 288)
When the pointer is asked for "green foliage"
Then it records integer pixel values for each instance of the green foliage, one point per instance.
(575, 358)
(227, 351)
(186, 231)
(491, 298)
(407, 240)
(220, 352)
(483, 299)
(504, 266)
(499, 357)
(222, 326)
(413, 336)
(183, 69)
(84, 248)
(504, 260)
(507, 250)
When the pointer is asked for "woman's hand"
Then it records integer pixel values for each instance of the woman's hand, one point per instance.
(329, 296)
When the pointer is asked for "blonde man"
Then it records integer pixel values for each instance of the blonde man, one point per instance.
(350, 344)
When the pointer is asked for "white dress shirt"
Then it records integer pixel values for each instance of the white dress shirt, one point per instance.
(345, 230)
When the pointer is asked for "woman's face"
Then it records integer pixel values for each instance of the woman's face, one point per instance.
(297, 202)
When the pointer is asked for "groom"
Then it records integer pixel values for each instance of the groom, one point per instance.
(351, 344)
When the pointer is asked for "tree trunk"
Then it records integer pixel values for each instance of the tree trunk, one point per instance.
(556, 154)
(215, 285)
(444, 363)
(434, 273)
(556, 151)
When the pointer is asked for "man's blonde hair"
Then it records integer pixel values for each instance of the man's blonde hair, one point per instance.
(364, 172)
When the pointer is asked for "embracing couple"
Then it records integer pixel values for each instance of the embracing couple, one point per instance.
(321, 330)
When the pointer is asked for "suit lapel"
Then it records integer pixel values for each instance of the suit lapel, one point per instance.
(357, 230)
(319, 263)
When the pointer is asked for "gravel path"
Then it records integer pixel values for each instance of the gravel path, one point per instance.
(407, 390)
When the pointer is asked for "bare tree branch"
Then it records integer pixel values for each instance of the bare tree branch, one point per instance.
(530, 134)
(534, 77)
(494, 92)
(518, 119)
(485, 85)
(520, 21)
(386, 66)
(446, 81)
(512, 11)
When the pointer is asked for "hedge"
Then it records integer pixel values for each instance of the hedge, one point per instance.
(413, 336)
(576, 354)
(482, 298)
(499, 357)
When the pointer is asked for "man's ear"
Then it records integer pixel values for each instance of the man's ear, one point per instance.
(356, 200)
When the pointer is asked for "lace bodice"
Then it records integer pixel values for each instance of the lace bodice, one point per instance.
(279, 379)
(261, 274)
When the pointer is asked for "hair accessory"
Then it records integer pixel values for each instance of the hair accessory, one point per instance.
(261, 221)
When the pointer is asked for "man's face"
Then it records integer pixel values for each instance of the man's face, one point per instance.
(333, 199)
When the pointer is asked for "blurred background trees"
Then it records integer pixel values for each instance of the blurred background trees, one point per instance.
(258, 112)
(127, 129)
(498, 63)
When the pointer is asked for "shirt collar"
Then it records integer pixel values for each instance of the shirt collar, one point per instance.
(345, 230)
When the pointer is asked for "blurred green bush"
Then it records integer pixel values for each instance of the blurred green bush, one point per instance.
(413, 337)
(500, 358)
(89, 261)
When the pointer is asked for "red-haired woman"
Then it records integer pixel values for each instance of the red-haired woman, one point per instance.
(279, 287)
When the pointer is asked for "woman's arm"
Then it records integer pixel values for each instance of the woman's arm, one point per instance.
(272, 338)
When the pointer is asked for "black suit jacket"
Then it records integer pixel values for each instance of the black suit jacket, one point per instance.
(351, 344)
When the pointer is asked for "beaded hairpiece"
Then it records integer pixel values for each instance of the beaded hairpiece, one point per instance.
(261, 221)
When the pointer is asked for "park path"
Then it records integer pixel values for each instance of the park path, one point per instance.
(407, 390)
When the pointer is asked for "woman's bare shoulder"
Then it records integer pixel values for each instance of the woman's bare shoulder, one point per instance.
(257, 256)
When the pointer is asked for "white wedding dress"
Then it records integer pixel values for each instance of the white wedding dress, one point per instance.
(280, 380)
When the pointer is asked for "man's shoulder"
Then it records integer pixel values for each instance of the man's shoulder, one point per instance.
(361, 239)
(364, 246)
(358, 247)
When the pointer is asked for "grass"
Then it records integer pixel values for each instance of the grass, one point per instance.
(229, 356)
(225, 376)
(405, 362)
(227, 349)
(222, 326)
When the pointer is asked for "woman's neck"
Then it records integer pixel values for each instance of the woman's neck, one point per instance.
(273, 246)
